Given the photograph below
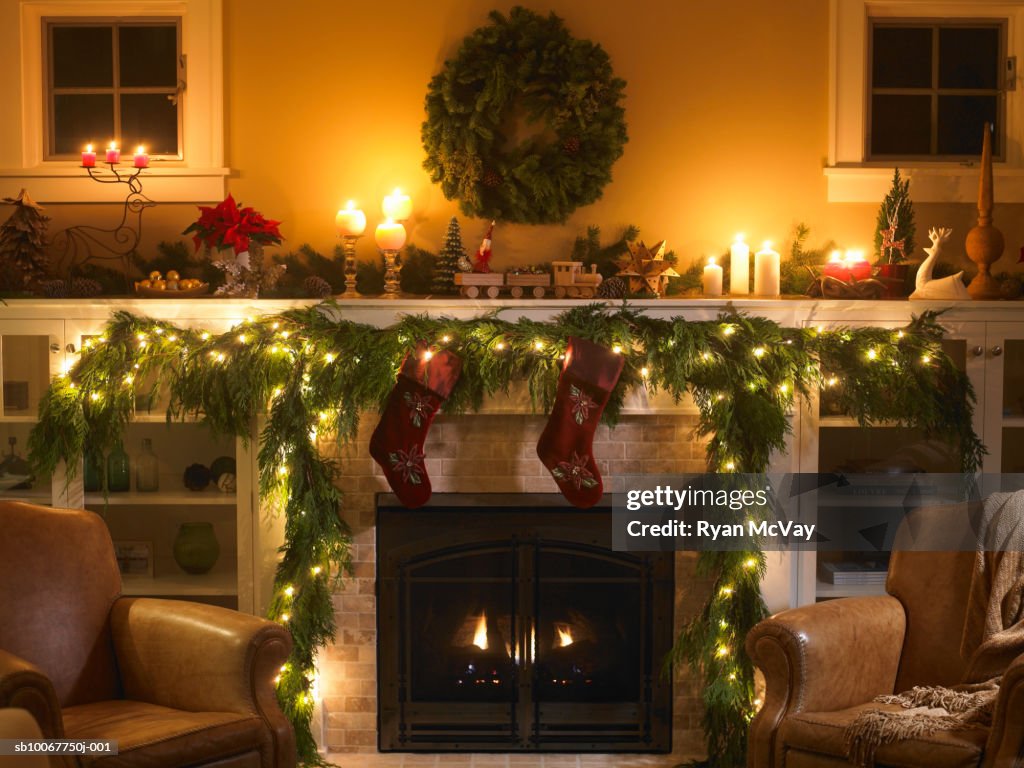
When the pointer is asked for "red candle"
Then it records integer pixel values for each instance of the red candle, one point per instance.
(113, 153)
(88, 157)
(141, 158)
(851, 265)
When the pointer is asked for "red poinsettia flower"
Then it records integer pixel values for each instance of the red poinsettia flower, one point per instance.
(228, 226)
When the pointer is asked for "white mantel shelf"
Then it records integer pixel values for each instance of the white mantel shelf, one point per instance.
(786, 311)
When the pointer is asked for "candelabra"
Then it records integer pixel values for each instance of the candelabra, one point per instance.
(349, 246)
(83, 244)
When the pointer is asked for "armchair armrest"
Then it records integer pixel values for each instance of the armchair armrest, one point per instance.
(23, 685)
(823, 657)
(1006, 739)
(199, 658)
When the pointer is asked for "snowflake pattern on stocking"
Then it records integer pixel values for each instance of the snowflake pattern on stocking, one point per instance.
(575, 471)
(581, 404)
(408, 464)
(420, 407)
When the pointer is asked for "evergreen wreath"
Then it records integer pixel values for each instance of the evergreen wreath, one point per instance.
(527, 64)
(312, 373)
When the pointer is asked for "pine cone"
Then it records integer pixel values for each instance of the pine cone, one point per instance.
(491, 179)
(316, 287)
(54, 289)
(84, 288)
(612, 288)
(571, 146)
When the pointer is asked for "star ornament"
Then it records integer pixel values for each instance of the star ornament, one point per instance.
(646, 269)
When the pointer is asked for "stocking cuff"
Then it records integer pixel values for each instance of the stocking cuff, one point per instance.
(438, 374)
(593, 363)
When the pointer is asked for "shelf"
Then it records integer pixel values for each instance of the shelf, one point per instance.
(207, 498)
(28, 419)
(1013, 421)
(170, 585)
(827, 591)
(34, 495)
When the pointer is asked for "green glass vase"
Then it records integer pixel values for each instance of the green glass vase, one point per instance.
(196, 548)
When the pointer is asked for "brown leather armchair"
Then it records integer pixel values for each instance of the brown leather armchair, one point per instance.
(824, 663)
(174, 683)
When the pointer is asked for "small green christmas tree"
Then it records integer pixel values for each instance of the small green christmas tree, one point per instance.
(452, 252)
(894, 230)
(23, 261)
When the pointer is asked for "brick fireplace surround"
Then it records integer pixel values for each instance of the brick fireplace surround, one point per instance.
(495, 453)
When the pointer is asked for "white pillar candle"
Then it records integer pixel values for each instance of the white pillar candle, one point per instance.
(390, 236)
(766, 271)
(712, 281)
(739, 267)
(350, 221)
(397, 206)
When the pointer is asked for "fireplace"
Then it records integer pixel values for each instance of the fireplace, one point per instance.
(506, 623)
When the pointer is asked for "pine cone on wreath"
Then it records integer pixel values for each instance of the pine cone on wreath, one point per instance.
(612, 288)
(491, 179)
(84, 288)
(571, 146)
(316, 287)
(54, 289)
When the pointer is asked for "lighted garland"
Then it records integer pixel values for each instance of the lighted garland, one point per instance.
(530, 64)
(315, 374)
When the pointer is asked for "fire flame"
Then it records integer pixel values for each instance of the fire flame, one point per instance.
(564, 635)
(480, 636)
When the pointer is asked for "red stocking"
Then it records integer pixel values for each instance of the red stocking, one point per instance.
(567, 444)
(397, 442)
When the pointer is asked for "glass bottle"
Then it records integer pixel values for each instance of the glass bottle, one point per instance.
(118, 470)
(92, 475)
(147, 469)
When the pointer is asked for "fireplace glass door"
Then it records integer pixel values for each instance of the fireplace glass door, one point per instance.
(519, 629)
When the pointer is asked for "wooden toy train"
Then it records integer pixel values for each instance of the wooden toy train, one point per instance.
(570, 279)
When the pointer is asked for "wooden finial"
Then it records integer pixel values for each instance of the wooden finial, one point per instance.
(985, 183)
(985, 242)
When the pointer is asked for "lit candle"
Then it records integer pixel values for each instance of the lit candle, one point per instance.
(390, 235)
(766, 271)
(857, 264)
(89, 157)
(350, 220)
(113, 153)
(141, 158)
(397, 206)
(712, 281)
(739, 267)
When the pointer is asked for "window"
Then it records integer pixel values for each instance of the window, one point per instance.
(44, 156)
(114, 80)
(933, 86)
(911, 82)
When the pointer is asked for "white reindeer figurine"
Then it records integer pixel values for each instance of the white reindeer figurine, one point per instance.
(951, 287)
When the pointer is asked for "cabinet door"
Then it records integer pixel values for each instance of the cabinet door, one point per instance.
(31, 354)
(831, 441)
(1003, 356)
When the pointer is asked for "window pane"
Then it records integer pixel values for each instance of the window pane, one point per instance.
(82, 119)
(962, 124)
(968, 58)
(83, 57)
(900, 125)
(901, 57)
(149, 119)
(149, 56)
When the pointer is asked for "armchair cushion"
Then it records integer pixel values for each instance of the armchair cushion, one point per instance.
(822, 733)
(148, 734)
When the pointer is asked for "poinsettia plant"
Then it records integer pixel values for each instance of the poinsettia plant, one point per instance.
(225, 225)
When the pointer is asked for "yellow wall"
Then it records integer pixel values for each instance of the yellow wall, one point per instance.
(726, 106)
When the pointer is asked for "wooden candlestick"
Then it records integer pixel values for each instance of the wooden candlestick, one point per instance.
(985, 242)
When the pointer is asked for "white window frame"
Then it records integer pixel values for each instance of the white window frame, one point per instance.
(199, 177)
(853, 179)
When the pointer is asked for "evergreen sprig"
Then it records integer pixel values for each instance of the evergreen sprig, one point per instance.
(313, 373)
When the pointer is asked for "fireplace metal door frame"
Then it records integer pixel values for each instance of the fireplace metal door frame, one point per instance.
(524, 725)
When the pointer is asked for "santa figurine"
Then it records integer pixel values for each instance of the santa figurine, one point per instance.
(482, 259)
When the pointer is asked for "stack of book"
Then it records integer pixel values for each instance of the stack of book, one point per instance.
(850, 572)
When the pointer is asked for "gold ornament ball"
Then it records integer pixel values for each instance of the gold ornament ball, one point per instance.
(154, 276)
(173, 275)
(160, 285)
(172, 285)
(147, 283)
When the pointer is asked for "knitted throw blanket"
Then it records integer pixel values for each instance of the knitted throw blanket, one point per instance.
(925, 711)
(993, 636)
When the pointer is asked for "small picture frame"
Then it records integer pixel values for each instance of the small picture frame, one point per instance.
(134, 558)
